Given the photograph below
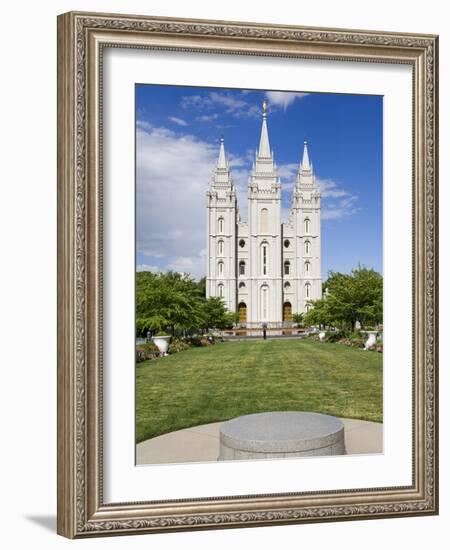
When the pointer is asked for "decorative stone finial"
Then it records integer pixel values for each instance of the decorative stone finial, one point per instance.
(264, 106)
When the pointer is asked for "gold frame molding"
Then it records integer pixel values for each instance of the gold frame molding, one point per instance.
(81, 38)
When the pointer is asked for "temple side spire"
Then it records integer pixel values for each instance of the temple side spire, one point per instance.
(222, 162)
(305, 176)
(305, 161)
(221, 176)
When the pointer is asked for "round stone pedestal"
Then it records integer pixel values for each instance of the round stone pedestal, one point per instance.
(281, 435)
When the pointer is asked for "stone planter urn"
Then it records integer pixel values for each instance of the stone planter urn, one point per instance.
(162, 343)
(371, 340)
(322, 335)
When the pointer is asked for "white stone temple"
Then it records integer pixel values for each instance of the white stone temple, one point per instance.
(263, 268)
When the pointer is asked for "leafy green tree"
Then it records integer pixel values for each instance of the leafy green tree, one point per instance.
(232, 319)
(214, 313)
(217, 316)
(319, 314)
(167, 301)
(171, 301)
(202, 286)
(353, 297)
(298, 319)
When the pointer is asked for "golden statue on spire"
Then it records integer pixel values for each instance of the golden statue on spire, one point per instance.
(264, 106)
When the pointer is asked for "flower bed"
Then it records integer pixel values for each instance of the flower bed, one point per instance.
(351, 339)
(149, 351)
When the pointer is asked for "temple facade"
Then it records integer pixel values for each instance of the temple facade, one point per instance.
(265, 268)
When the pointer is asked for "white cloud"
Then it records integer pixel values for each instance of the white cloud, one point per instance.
(207, 118)
(178, 121)
(147, 267)
(195, 101)
(173, 175)
(143, 125)
(231, 104)
(236, 105)
(288, 173)
(283, 99)
(336, 202)
(195, 264)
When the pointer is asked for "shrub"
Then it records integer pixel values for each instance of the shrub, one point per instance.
(352, 342)
(334, 337)
(195, 341)
(177, 345)
(146, 351)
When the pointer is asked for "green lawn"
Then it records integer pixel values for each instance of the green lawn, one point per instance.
(219, 382)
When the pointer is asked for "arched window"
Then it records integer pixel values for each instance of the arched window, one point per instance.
(308, 307)
(307, 268)
(307, 248)
(241, 285)
(242, 243)
(264, 221)
(264, 302)
(307, 225)
(242, 267)
(287, 285)
(307, 290)
(264, 258)
(286, 243)
(220, 225)
(220, 268)
(221, 248)
(287, 267)
(221, 290)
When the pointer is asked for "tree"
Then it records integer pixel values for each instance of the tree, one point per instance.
(167, 300)
(356, 297)
(353, 297)
(298, 319)
(232, 319)
(171, 301)
(202, 286)
(214, 313)
(319, 314)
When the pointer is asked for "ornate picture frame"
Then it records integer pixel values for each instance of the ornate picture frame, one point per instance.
(82, 38)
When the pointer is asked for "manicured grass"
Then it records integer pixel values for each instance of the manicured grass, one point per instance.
(219, 382)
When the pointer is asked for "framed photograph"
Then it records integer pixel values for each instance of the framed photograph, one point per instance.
(247, 276)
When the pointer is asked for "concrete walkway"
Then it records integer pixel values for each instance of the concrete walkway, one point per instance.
(201, 443)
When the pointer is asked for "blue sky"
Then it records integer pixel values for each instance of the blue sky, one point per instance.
(177, 140)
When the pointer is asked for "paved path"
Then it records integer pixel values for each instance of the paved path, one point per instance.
(201, 443)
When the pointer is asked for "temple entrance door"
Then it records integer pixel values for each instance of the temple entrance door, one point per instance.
(287, 311)
(242, 309)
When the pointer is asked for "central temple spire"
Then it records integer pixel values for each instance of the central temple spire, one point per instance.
(264, 178)
(264, 146)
